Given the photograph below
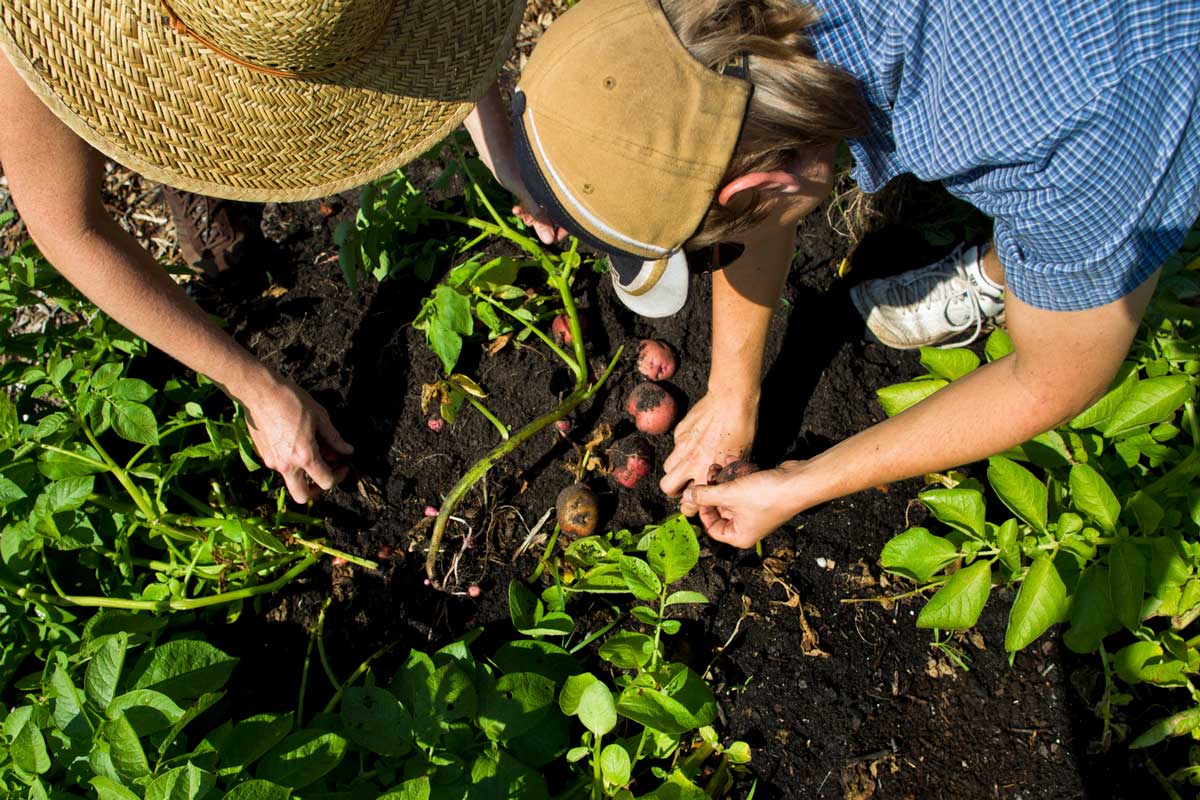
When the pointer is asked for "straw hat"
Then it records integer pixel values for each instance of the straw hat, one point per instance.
(259, 99)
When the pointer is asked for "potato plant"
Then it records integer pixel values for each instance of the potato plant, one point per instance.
(1097, 523)
(645, 718)
(127, 710)
(114, 493)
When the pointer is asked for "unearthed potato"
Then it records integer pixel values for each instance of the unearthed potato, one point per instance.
(656, 360)
(630, 460)
(560, 329)
(731, 471)
(652, 408)
(578, 510)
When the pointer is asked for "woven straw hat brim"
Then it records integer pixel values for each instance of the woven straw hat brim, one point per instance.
(164, 105)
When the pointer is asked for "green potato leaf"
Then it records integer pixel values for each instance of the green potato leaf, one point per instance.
(1017, 488)
(640, 578)
(1041, 601)
(961, 509)
(901, 396)
(135, 422)
(957, 605)
(1091, 494)
(628, 650)
(303, 758)
(673, 549)
(182, 669)
(917, 554)
(1127, 582)
(1092, 615)
(1151, 400)
(949, 365)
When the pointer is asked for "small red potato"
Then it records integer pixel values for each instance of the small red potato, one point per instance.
(656, 360)
(630, 460)
(578, 510)
(560, 329)
(652, 408)
(435, 424)
(731, 471)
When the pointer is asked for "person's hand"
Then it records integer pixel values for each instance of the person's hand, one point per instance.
(526, 209)
(744, 510)
(295, 437)
(717, 430)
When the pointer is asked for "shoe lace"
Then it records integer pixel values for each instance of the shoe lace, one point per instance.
(929, 288)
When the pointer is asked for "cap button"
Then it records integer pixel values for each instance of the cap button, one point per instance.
(610, 83)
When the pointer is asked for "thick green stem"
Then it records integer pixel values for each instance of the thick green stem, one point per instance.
(538, 332)
(489, 416)
(83, 601)
(134, 491)
(317, 547)
(481, 467)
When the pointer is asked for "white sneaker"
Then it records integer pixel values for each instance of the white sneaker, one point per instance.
(927, 306)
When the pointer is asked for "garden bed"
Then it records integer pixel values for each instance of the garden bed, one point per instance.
(837, 699)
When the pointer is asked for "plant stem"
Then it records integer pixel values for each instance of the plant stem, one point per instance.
(298, 722)
(662, 607)
(489, 416)
(541, 565)
(597, 634)
(597, 777)
(894, 597)
(358, 672)
(481, 467)
(538, 332)
(319, 636)
(84, 601)
(317, 547)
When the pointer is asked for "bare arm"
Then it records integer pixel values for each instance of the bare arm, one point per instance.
(491, 131)
(721, 426)
(54, 177)
(1062, 362)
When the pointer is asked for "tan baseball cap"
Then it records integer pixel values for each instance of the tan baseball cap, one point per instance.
(623, 137)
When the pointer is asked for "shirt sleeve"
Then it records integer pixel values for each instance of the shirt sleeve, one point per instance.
(1113, 196)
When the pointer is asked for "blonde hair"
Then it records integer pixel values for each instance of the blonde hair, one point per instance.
(799, 102)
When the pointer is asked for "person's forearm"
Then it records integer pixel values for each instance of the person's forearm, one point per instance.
(489, 128)
(115, 273)
(984, 413)
(744, 297)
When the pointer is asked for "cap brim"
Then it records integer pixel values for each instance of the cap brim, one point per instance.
(668, 294)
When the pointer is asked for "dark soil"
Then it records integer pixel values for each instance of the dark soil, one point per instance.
(837, 699)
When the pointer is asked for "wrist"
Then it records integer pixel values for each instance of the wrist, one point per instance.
(250, 382)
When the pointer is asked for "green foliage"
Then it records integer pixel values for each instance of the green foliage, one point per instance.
(115, 492)
(1097, 524)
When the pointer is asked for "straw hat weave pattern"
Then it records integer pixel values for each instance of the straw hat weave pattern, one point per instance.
(259, 99)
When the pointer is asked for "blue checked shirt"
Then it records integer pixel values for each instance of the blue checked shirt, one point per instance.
(1075, 125)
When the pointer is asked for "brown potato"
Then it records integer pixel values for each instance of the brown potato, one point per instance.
(578, 510)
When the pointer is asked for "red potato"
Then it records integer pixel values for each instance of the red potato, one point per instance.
(578, 510)
(656, 360)
(560, 329)
(435, 424)
(731, 471)
(652, 408)
(563, 426)
(630, 460)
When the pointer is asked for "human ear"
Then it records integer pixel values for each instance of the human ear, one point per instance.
(779, 181)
